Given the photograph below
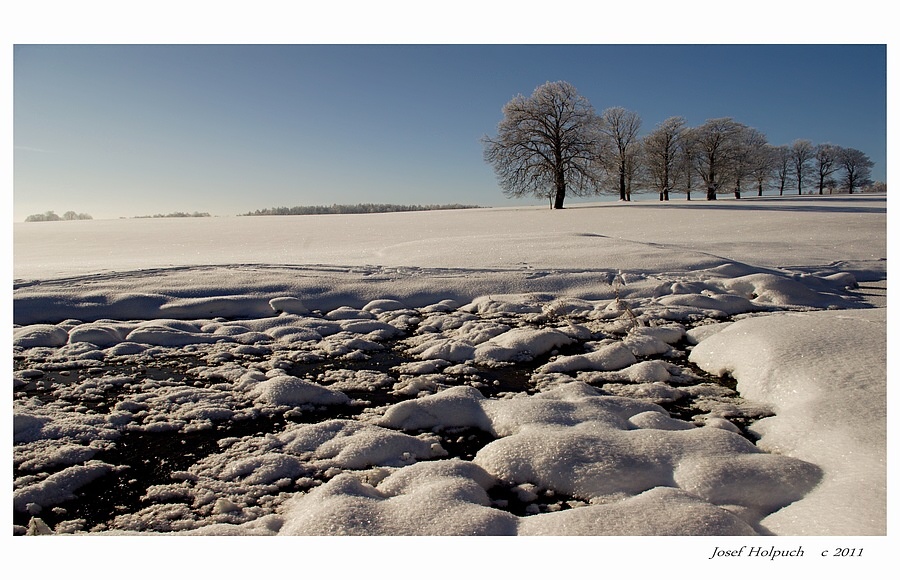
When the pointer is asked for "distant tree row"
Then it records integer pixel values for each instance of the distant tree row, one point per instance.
(174, 214)
(357, 208)
(553, 144)
(49, 216)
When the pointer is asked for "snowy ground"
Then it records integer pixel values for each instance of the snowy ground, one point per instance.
(513, 371)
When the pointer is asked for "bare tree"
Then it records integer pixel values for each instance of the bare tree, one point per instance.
(802, 152)
(547, 145)
(762, 170)
(746, 154)
(825, 163)
(715, 145)
(782, 167)
(686, 163)
(620, 127)
(661, 155)
(857, 169)
(634, 170)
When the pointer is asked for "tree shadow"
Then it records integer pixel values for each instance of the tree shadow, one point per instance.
(817, 204)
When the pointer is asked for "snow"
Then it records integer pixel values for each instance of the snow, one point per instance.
(805, 367)
(594, 312)
(292, 392)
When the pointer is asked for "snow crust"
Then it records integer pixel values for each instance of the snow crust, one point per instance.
(602, 304)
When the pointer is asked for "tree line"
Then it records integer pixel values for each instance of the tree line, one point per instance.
(177, 214)
(50, 216)
(355, 208)
(553, 144)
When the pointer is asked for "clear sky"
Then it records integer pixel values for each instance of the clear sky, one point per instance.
(119, 130)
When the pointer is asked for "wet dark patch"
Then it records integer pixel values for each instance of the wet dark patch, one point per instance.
(507, 497)
(462, 443)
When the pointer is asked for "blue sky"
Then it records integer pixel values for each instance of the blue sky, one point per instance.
(124, 130)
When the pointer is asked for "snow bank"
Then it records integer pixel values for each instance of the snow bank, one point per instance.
(828, 393)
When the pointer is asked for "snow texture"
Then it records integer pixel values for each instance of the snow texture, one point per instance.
(553, 342)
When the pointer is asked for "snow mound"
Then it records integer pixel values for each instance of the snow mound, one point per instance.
(60, 486)
(40, 335)
(293, 391)
(454, 407)
(661, 511)
(520, 344)
(611, 356)
(288, 305)
(435, 498)
(352, 445)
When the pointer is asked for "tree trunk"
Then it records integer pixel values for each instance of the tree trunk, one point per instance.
(622, 196)
(560, 192)
(664, 194)
(710, 192)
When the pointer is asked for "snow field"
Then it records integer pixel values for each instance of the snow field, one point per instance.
(554, 385)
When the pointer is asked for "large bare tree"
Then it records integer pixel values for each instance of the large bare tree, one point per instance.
(802, 152)
(715, 143)
(661, 155)
(857, 169)
(621, 126)
(547, 145)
